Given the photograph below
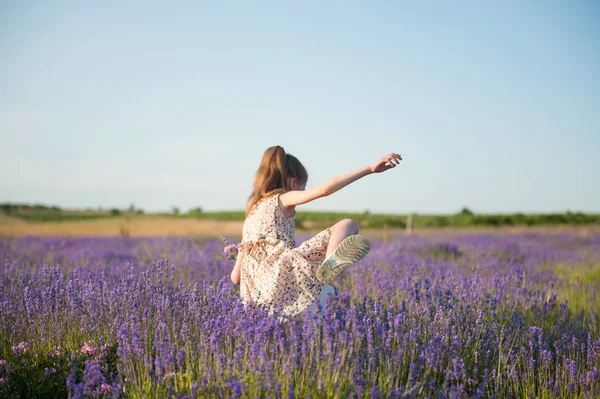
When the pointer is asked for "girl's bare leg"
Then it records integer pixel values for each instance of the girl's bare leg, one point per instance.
(339, 231)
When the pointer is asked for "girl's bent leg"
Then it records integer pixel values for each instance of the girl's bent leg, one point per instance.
(339, 231)
(350, 250)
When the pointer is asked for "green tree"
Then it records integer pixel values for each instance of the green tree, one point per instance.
(466, 212)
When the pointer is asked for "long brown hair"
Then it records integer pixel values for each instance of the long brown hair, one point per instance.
(275, 168)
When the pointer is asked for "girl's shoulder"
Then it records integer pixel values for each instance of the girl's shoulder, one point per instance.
(270, 199)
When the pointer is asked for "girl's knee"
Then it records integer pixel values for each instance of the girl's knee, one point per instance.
(350, 225)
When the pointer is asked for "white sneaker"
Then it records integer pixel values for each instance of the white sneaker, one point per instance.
(349, 251)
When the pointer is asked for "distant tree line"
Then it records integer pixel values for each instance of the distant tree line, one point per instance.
(43, 213)
(464, 218)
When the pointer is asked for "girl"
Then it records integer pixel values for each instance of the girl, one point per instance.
(273, 272)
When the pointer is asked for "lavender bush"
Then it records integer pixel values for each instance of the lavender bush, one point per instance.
(446, 316)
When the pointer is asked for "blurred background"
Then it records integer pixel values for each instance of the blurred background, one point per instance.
(142, 118)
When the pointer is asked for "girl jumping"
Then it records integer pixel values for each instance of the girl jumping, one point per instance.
(269, 268)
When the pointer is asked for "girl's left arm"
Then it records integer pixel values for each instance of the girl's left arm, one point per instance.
(235, 274)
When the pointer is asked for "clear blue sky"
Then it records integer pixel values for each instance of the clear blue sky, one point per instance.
(493, 105)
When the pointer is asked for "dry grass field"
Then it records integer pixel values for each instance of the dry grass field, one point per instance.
(151, 226)
(142, 226)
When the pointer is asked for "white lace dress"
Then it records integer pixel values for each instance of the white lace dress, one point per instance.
(274, 272)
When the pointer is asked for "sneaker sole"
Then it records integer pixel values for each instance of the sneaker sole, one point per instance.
(349, 251)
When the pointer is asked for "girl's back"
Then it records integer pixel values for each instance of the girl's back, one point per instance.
(267, 220)
(274, 272)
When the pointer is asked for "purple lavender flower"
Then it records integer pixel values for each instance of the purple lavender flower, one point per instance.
(470, 325)
(55, 351)
(48, 372)
(93, 378)
(5, 368)
(88, 349)
(230, 251)
(23, 347)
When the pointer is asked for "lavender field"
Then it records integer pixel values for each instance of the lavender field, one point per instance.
(433, 316)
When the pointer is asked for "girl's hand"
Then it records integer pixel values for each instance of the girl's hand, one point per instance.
(387, 162)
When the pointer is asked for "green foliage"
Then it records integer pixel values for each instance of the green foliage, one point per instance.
(43, 374)
(195, 211)
(316, 220)
(41, 213)
(36, 375)
(466, 212)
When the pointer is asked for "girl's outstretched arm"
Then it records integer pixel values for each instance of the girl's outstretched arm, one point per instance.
(295, 197)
